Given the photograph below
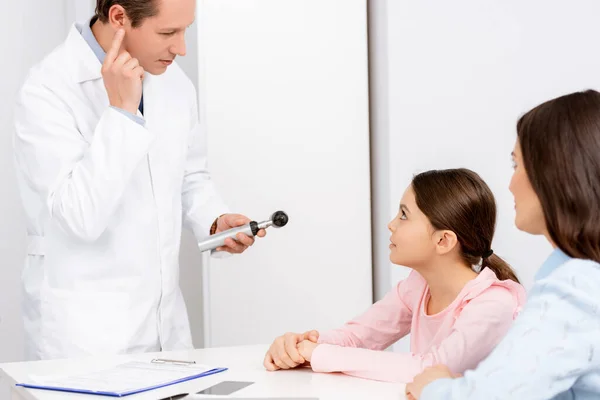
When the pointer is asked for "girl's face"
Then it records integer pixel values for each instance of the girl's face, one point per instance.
(412, 240)
(529, 214)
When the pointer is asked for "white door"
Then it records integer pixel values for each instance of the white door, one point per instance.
(284, 100)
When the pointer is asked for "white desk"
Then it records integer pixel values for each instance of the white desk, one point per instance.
(244, 363)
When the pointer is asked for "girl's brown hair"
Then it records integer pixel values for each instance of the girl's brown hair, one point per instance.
(460, 201)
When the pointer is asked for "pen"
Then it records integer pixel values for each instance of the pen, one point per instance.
(166, 361)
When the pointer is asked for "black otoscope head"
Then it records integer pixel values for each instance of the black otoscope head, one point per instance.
(279, 219)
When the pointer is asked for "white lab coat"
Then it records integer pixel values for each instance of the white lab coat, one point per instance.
(105, 199)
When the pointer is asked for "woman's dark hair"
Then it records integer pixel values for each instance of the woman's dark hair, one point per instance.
(460, 201)
(560, 144)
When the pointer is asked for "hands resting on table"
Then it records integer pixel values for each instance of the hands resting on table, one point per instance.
(294, 350)
(291, 350)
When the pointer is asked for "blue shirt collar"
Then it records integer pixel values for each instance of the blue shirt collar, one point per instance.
(88, 36)
(555, 260)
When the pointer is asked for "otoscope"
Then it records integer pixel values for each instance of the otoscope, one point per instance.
(278, 219)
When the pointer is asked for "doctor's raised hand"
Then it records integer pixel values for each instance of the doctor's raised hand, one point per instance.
(123, 76)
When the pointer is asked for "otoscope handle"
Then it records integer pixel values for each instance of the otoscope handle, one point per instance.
(218, 239)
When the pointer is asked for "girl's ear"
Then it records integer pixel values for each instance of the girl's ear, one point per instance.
(445, 241)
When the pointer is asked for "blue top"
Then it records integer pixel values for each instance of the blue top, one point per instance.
(88, 36)
(552, 350)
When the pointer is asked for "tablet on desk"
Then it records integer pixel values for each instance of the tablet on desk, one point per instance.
(227, 388)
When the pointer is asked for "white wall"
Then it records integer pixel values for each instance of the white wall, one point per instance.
(284, 84)
(459, 76)
(21, 48)
(78, 10)
(190, 258)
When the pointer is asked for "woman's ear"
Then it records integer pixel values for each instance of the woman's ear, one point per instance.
(445, 241)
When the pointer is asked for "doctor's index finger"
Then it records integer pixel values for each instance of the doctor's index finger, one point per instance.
(236, 220)
(113, 52)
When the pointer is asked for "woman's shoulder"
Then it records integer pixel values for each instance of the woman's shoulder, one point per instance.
(575, 273)
(577, 265)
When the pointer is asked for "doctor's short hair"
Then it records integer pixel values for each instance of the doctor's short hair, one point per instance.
(137, 10)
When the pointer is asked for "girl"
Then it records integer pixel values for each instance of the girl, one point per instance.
(458, 302)
(553, 349)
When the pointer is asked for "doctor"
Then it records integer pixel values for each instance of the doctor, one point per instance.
(111, 162)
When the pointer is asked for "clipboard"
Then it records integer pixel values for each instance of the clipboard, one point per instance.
(126, 379)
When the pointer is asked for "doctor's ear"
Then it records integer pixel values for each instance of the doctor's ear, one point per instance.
(117, 17)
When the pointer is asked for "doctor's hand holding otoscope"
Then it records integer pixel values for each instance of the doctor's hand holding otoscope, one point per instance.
(234, 233)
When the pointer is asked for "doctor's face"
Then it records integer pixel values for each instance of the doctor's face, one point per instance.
(161, 38)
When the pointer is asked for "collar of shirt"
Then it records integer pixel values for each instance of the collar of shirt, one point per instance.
(555, 260)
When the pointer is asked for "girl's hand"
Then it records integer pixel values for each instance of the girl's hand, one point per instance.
(306, 349)
(284, 353)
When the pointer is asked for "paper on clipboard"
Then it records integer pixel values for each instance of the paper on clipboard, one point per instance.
(124, 379)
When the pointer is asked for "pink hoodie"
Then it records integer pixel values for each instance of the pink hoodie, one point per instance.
(460, 336)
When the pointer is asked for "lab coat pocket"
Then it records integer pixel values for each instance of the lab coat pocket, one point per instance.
(78, 323)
